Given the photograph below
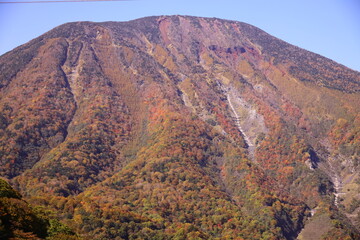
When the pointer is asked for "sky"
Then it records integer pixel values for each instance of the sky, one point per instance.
(330, 28)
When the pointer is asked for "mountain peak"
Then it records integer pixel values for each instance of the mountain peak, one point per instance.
(180, 126)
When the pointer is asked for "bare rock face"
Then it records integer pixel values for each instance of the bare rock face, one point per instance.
(181, 127)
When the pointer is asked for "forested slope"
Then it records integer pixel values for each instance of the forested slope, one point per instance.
(180, 127)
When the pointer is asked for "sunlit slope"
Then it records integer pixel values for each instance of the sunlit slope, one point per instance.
(181, 127)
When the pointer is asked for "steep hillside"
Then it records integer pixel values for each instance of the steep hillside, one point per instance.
(19, 220)
(179, 127)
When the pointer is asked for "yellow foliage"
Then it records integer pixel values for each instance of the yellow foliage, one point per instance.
(208, 60)
(245, 68)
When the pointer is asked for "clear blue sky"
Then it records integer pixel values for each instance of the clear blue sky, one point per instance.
(327, 27)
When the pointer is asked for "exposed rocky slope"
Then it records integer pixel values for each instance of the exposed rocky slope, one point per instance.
(181, 127)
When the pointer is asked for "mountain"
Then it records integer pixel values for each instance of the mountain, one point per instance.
(179, 127)
(19, 220)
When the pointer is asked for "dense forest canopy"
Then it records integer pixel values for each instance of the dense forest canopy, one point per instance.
(176, 127)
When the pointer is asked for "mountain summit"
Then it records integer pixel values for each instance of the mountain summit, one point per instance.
(179, 127)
